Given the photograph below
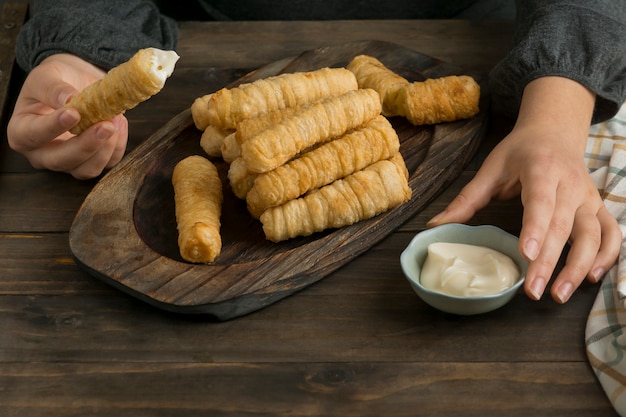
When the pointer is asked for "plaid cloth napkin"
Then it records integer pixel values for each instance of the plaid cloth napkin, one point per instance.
(606, 326)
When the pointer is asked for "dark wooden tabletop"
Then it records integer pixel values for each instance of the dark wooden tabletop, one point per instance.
(357, 343)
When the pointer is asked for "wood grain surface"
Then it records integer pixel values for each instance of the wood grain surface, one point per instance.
(125, 232)
(357, 343)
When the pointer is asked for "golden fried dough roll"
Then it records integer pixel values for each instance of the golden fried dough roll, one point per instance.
(375, 141)
(198, 198)
(231, 146)
(240, 178)
(312, 125)
(440, 99)
(228, 106)
(124, 87)
(199, 111)
(364, 194)
(371, 73)
(212, 139)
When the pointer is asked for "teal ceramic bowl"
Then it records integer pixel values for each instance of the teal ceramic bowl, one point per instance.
(492, 237)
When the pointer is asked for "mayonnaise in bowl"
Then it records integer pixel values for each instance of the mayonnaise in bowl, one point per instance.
(465, 276)
(464, 270)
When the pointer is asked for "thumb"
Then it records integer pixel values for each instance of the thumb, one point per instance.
(59, 94)
(48, 86)
(473, 197)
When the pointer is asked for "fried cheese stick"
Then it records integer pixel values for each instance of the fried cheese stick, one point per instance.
(364, 194)
(371, 73)
(240, 178)
(228, 106)
(199, 113)
(212, 139)
(123, 87)
(231, 146)
(312, 125)
(198, 198)
(375, 141)
(437, 100)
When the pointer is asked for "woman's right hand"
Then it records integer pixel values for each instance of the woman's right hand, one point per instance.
(39, 125)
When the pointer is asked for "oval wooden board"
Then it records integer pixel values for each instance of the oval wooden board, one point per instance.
(125, 231)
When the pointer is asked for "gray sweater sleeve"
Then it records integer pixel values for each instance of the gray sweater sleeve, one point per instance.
(104, 32)
(584, 40)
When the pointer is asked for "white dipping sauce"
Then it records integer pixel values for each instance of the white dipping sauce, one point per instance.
(467, 270)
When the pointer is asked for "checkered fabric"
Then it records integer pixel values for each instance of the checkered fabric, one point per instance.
(605, 332)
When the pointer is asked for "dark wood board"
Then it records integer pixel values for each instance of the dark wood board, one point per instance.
(125, 231)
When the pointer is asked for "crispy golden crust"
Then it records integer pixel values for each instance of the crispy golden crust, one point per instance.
(240, 178)
(364, 194)
(199, 112)
(122, 88)
(228, 106)
(231, 146)
(198, 198)
(371, 73)
(375, 141)
(212, 140)
(439, 100)
(310, 126)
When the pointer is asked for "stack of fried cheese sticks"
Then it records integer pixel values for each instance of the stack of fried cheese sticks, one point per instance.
(310, 151)
(307, 151)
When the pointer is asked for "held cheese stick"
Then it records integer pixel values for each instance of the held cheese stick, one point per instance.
(437, 100)
(375, 141)
(371, 73)
(228, 106)
(364, 194)
(123, 87)
(198, 198)
(314, 124)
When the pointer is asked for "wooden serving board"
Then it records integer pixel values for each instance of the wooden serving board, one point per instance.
(125, 231)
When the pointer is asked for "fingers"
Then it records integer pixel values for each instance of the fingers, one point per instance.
(119, 149)
(39, 116)
(40, 124)
(56, 93)
(31, 131)
(539, 201)
(542, 241)
(474, 196)
(87, 155)
(595, 242)
(555, 212)
(609, 246)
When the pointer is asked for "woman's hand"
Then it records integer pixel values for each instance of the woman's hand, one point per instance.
(39, 126)
(543, 160)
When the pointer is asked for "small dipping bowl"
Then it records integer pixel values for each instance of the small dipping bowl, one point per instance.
(413, 257)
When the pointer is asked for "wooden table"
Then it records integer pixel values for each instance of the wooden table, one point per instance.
(357, 343)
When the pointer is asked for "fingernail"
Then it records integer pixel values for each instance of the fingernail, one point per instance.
(105, 131)
(537, 287)
(531, 249)
(68, 118)
(436, 219)
(564, 292)
(598, 274)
